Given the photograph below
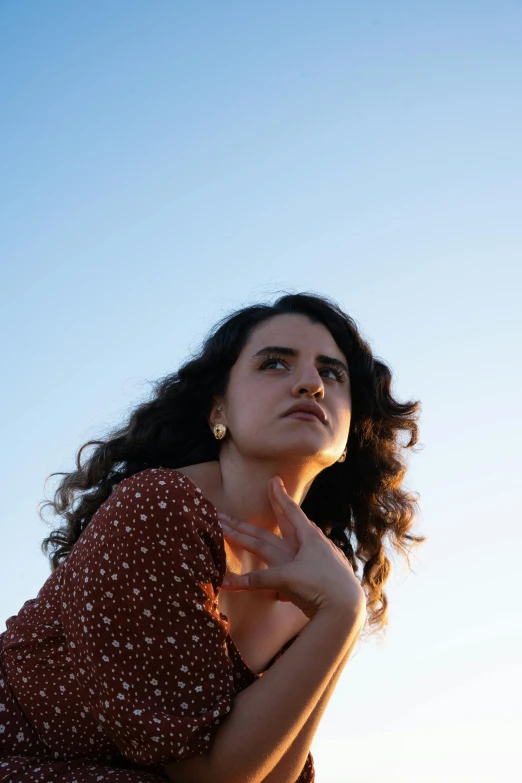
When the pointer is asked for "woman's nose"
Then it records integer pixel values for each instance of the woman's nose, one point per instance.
(310, 381)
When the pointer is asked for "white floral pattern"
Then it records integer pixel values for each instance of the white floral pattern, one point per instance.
(91, 688)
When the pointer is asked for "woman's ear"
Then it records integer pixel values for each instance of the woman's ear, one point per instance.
(216, 413)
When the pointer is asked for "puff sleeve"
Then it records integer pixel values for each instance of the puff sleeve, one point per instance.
(140, 616)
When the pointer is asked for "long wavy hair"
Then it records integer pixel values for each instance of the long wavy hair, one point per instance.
(359, 504)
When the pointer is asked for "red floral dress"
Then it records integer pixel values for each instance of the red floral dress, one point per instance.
(123, 662)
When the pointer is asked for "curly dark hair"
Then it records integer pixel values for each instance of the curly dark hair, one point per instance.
(358, 504)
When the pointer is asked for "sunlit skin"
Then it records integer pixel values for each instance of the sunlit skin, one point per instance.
(260, 443)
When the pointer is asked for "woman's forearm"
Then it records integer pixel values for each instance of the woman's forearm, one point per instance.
(268, 716)
(291, 765)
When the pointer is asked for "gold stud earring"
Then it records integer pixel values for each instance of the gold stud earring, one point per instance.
(343, 456)
(219, 431)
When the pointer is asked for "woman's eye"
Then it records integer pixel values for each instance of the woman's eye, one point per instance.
(265, 364)
(271, 361)
(334, 373)
(338, 375)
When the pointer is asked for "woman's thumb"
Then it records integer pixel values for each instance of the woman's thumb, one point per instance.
(263, 579)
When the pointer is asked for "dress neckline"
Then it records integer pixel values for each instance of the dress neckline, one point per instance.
(222, 540)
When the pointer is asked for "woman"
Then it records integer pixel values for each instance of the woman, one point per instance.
(137, 661)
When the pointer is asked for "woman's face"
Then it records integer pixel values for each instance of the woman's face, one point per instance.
(265, 382)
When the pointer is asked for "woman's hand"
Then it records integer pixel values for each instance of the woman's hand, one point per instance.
(304, 566)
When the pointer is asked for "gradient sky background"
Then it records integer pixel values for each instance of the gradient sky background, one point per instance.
(163, 163)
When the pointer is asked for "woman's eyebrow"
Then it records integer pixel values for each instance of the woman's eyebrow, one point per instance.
(321, 358)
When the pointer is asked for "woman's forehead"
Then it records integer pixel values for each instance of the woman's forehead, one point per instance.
(291, 330)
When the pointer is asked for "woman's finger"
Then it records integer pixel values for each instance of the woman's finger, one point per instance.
(292, 511)
(270, 548)
(286, 527)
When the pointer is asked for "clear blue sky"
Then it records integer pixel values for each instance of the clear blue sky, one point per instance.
(165, 162)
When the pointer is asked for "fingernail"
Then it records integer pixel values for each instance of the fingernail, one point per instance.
(224, 526)
(224, 516)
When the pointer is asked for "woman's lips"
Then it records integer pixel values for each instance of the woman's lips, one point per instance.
(303, 415)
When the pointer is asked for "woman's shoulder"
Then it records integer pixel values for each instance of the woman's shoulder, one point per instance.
(170, 482)
(164, 492)
(156, 512)
(160, 496)
(206, 477)
(155, 502)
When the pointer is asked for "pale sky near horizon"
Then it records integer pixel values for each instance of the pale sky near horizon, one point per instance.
(165, 163)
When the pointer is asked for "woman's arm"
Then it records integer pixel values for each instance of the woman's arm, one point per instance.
(292, 763)
(268, 716)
